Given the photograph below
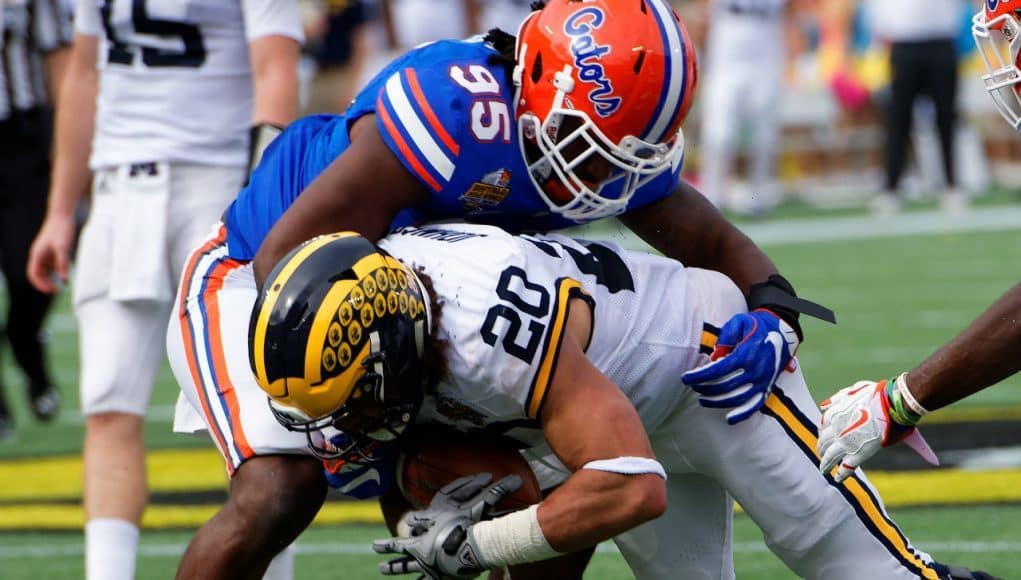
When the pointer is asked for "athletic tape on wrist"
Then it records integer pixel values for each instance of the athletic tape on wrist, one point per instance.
(909, 399)
(627, 465)
(515, 538)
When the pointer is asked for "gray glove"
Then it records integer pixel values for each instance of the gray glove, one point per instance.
(440, 546)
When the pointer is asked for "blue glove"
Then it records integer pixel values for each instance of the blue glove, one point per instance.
(752, 351)
(363, 479)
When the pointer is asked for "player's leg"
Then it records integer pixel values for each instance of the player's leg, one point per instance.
(692, 540)
(120, 353)
(720, 116)
(819, 528)
(904, 88)
(26, 181)
(942, 86)
(764, 120)
(201, 193)
(276, 488)
(272, 499)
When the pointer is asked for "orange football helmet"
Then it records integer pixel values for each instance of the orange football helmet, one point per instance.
(997, 32)
(602, 89)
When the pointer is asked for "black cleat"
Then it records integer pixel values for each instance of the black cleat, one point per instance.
(45, 402)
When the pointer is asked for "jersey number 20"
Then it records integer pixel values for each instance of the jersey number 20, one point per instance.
(521, 297)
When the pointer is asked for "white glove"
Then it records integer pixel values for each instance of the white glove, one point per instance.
(856, 423)
(440, 543)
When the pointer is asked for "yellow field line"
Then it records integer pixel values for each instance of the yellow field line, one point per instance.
(61, 477)
(32, 490)
(43, 516)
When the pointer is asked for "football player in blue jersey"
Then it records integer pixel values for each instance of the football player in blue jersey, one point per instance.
(577, 118)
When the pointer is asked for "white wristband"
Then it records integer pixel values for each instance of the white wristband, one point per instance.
(515, 538)
(627, 465)
(908, 398)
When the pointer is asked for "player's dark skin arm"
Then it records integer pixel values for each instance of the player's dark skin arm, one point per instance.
(984, 353)
(687, 227)
(362, 190)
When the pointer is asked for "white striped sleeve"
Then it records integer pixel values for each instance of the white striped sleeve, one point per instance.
(409, 121)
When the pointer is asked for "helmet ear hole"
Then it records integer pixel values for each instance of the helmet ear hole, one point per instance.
(537, 67)
(639, 62)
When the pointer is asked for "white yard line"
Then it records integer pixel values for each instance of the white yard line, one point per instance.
(804, 230)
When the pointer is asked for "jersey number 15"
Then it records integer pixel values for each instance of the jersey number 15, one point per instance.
(192, 55)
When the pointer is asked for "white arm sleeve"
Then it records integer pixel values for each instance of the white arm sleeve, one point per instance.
(269, 17)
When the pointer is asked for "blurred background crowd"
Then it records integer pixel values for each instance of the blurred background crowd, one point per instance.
(795, 98)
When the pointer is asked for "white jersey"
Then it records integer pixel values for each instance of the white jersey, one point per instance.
(506, 300)
(175, 79)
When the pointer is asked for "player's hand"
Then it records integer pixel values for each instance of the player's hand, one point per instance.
(752, 351)
(440, 544)
(50, 254)
(856, 423)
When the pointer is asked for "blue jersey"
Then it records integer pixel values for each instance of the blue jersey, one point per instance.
(446, 111)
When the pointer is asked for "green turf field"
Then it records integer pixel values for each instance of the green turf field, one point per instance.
(983, 538)
(896, 298)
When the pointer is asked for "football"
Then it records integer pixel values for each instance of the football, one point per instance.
(436, 460)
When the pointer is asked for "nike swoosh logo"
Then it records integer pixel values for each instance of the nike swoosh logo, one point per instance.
(858, 390)
(776, 340)
(370, 474)
(862, 419)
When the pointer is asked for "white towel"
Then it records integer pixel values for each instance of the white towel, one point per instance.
(139, 268)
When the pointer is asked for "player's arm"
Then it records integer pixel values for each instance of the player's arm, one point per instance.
(274, 61)
(983, 354)
(76, 109)
(361, 190)
(687, 227)
(593, 504)
(861, 419)
(51, 36)
(615, 485)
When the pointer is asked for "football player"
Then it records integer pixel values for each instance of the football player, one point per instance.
(985, 353)
(158, 105)
(575, 349)
(576, 119)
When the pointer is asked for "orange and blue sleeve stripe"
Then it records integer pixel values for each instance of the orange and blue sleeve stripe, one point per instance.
(856, 491)
(414, 131)
(199, 315)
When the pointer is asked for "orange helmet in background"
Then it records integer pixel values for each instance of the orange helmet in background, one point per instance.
(605, 83)
(997, 32)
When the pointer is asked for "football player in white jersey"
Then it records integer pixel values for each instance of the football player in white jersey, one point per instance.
(743, 93)
(983, 354)
(576, 350)
(158, 106)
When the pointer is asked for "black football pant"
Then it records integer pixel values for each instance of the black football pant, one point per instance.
(24, 185)
(921, 68)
